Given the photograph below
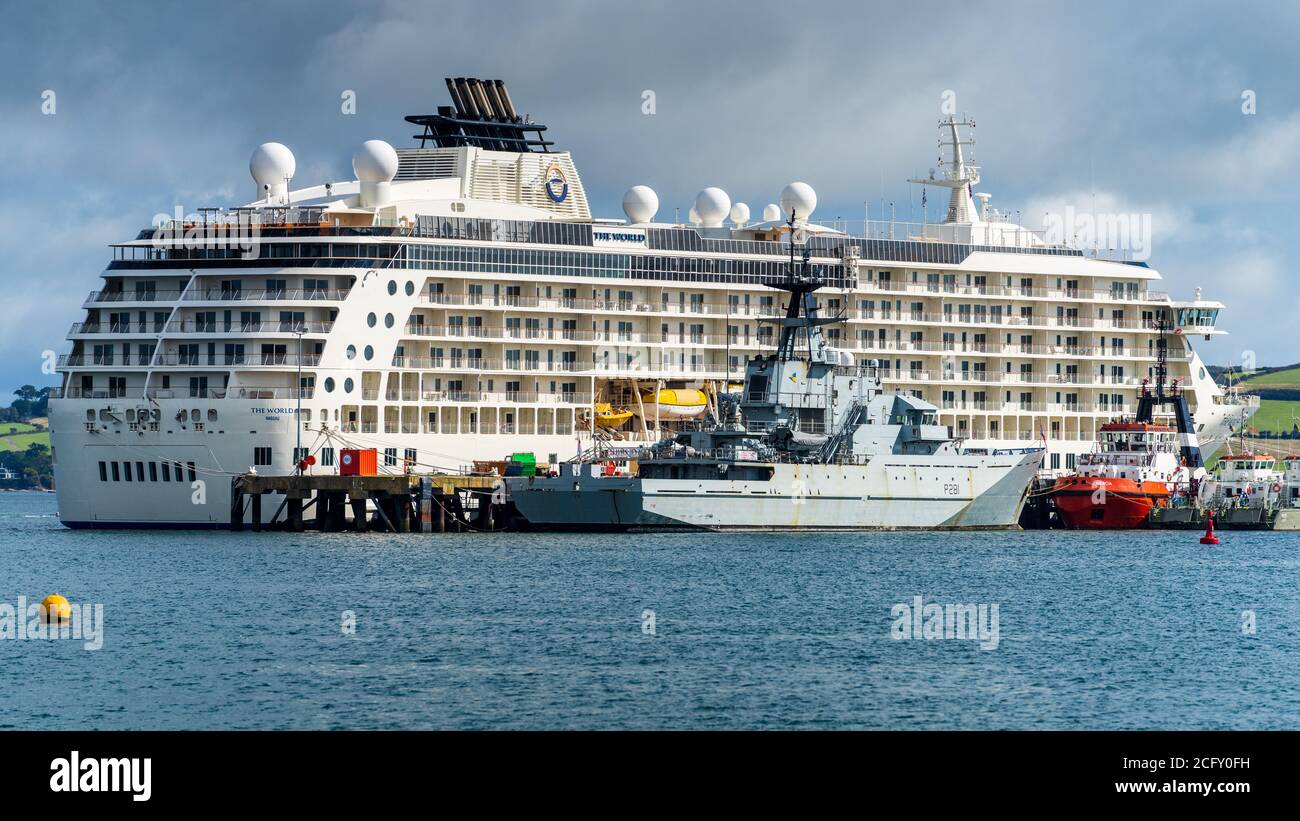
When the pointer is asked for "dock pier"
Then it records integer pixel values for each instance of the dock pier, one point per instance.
(438, 503)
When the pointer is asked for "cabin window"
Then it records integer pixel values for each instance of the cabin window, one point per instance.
(103, 472)
(261, 456)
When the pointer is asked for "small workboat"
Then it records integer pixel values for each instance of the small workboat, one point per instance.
(608, 416)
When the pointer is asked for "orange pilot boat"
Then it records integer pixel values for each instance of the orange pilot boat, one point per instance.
(1139, 465)
(1137, 468)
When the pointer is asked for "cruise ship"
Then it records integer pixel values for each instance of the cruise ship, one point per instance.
(457, 302)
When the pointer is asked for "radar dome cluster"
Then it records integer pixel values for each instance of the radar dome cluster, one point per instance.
(713, 206)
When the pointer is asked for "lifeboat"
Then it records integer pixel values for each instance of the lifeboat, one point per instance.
(678, 403)
(608, 416)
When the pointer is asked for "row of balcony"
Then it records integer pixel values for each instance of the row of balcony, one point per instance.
(487, 332)
(96, 298)
(200, 326)
(127, 360)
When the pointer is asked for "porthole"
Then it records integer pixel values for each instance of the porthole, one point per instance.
(392, 287)
(388, 320)
(370, 352)
(329, 384)
(352, 352)
(347, 385)
(410, 288)
(371, 320)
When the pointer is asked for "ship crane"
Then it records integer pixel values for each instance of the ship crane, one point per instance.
(1149, 401)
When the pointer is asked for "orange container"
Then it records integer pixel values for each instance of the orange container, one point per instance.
(359, 462)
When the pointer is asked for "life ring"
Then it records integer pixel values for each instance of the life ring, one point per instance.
(1277, 487)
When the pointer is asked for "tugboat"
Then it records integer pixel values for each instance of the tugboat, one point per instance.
(1140, 465)
(812, 443)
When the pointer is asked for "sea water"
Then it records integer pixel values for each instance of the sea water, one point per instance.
(214, 630)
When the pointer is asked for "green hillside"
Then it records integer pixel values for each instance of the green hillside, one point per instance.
(1277, 415)
(1281, 378)
(21, 441)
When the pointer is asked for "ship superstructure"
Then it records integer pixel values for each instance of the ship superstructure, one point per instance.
(457, 302)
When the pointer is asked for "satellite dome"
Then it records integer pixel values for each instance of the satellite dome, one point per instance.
(771, 212)
(640, 204)
(800, 198)
(375, 161)
(272, 165)
(693, 216)
(712, 204)
(740, 213)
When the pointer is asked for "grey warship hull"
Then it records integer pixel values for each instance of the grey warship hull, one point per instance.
(891, 493)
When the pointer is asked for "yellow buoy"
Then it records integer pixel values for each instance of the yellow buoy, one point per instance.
(55, 608)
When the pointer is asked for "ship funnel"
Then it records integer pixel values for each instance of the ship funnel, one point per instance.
(507, 105)
(454, 92)
(466, 97)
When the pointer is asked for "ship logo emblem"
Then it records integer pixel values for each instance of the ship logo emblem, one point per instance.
(557, 187)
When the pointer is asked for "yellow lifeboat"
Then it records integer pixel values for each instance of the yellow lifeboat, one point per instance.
(679, 403)
(610, 417)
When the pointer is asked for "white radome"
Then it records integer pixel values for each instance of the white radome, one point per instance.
(693, 216)
(640, 203)
(740, 213)
(712, 205)
(270, 164)
(375, 161)
(800, 198)
(771, 212)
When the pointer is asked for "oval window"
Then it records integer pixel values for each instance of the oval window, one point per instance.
(329, 384)
(371, 320)
(388, 320)
(370, 352)
(347, 385)
(410, 288)
(392, 287)
(352, 352)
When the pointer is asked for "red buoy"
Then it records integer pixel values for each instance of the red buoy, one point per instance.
(1209, 537)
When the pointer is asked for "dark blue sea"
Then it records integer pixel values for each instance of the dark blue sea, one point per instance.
(220, 630)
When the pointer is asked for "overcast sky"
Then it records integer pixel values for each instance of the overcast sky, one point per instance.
(1122, 107)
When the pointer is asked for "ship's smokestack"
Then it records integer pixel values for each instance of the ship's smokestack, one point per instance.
(507, 105)
(471, 107)
(455, 98)
(484, 107)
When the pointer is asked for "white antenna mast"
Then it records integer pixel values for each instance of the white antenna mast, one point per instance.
(958, 175)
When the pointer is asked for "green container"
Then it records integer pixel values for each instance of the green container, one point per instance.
(524, 463)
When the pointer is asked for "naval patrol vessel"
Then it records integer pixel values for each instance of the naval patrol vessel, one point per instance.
(812, 442)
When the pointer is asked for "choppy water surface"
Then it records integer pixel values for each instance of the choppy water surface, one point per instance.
(220, 630)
